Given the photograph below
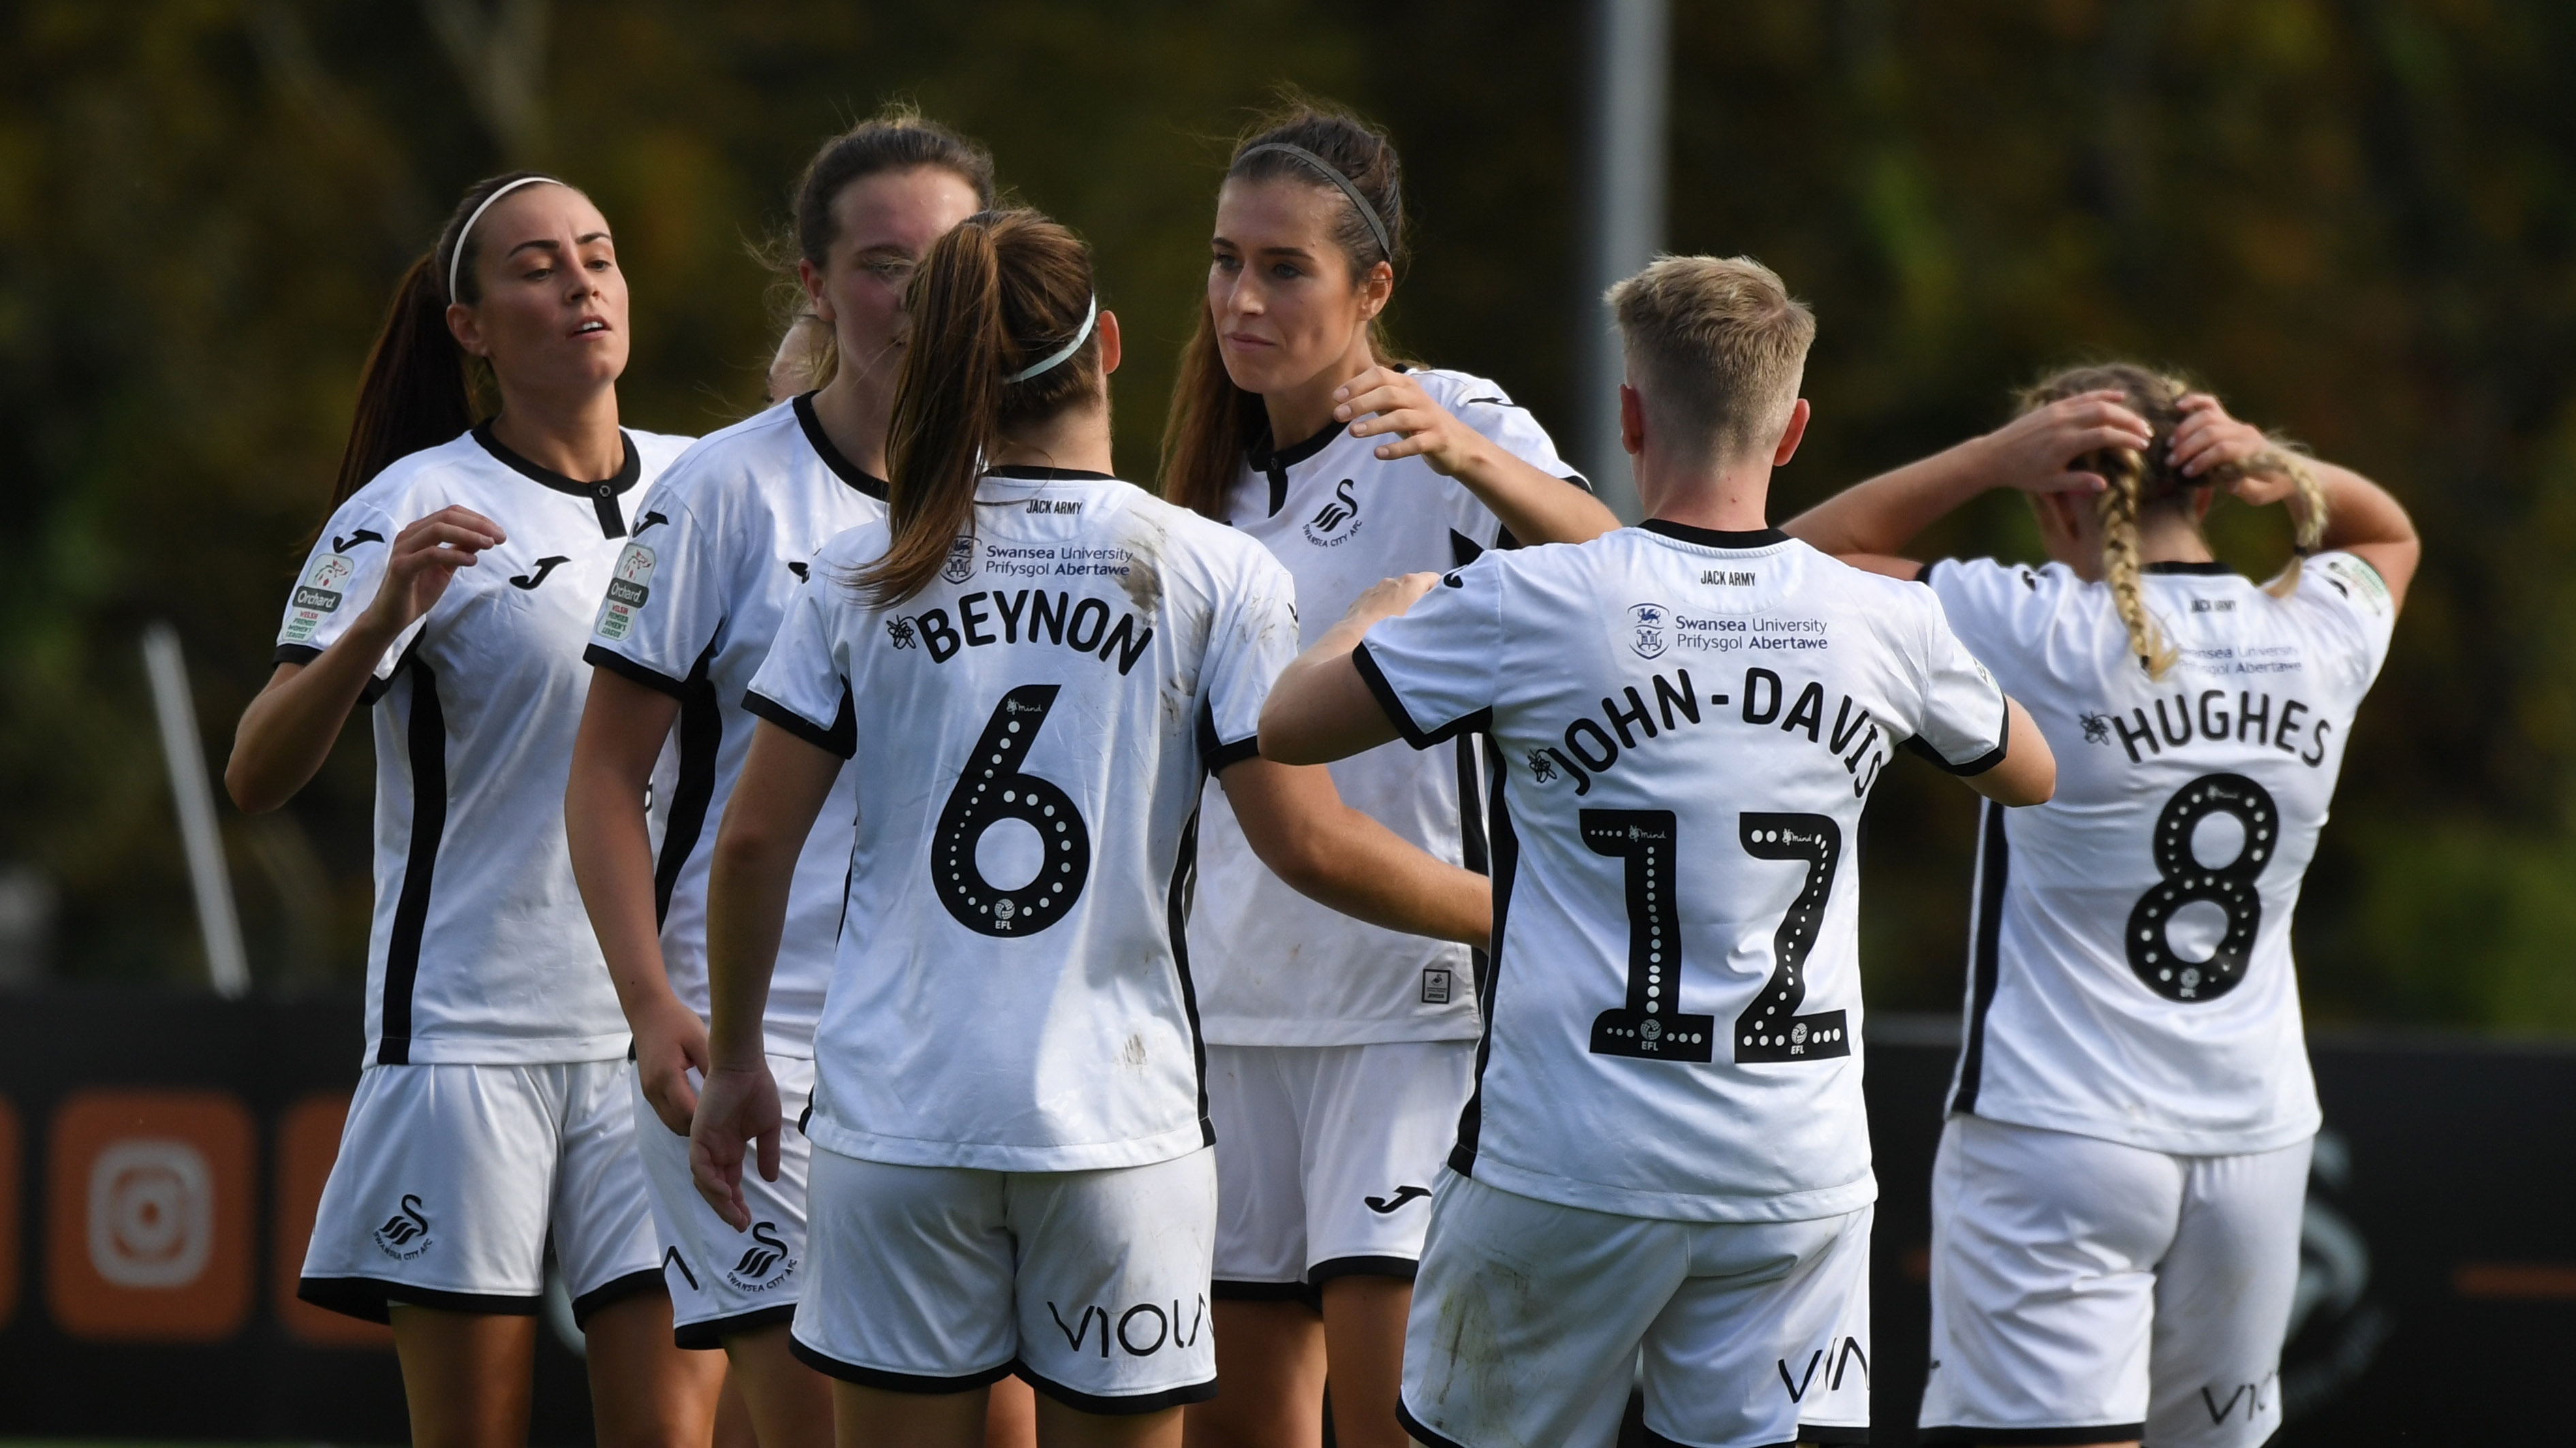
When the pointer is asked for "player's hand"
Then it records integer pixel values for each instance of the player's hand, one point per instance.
(740, 1104)
(1388, 598)
(668, 1046)
(2037, 451)
(1385, 402)
(423, 560)
(2208, 438)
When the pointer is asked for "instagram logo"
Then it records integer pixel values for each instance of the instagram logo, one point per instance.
(151, 1213)
(149, 1219)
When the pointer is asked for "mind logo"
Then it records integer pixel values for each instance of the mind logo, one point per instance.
(1646, 625)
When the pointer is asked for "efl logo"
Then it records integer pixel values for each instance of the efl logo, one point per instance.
(150, 1216)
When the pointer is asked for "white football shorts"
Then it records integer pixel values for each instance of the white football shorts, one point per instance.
(1529, 1316)
(723, 1281)
(2084, 1290)
(1325, 1157)
(1092, 1285)
(452, 1178)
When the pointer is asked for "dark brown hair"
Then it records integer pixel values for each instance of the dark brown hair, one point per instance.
(896, 138)
(1212, 421)
(2139, 481)
(1000, 292)
(418, 387)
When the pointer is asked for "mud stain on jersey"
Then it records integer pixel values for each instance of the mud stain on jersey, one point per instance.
(1133, 1053)
(1143, 579)
(1480, 1368)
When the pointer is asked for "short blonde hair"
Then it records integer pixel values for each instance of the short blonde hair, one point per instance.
(1716, 347)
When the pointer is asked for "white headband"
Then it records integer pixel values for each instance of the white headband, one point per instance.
(467, 229)
(1090, 314)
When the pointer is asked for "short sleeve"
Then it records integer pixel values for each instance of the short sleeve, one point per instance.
(2000, 610)
(801, 687)
(339, 580)
(1515, 430)
(1961, 717)
(1432, 668)
(2344, 587)
(666, 597)
(1253, 637)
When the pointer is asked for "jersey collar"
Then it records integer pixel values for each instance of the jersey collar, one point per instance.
(842, 468)
(603, 494)
(1276, 462)
(1035, 474)
(2212, 567)
(1715, 538)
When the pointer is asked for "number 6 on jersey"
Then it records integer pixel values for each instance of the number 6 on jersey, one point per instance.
(992, 790)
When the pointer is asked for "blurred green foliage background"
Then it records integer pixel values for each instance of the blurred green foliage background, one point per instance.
(2354, 218)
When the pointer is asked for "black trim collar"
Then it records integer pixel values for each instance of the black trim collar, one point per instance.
(2212, 568)
(1715, 538)
(833, 458)
(627, 472)
(1018, 472)
(1265, 457)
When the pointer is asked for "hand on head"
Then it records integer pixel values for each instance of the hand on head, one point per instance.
(2037, 452)
(2209, 439)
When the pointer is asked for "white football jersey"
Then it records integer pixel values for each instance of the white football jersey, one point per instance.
(1278, 969)
(480, 950)
(1031, 731)
(2129, 972)
(721, 544)
(1686, 725)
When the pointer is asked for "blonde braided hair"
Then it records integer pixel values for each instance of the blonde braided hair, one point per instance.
(2139, 481)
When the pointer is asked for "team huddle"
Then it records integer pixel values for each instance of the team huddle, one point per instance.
(940, 944)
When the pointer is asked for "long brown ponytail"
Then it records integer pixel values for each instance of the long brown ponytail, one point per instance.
(2139, 481)
(1000, 292)
(1212, 421)
(418, 388)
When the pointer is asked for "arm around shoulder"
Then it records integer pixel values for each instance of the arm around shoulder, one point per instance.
(1296, 822)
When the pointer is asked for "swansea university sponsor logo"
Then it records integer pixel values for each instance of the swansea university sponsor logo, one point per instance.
(961, 560)
(1646, 629)
(1338, 521)
(765, 1263)
(405, 1234)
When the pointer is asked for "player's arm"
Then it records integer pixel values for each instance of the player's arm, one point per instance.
(1296, 822)
(1535, 507)
(2027, 774)
(784, 782)
(623, 725)
(2361, 517)
(1320, 709)
(1869, 524)
(287, 732)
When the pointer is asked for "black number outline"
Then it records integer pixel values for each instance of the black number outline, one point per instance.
(1770, 1029)
(993, 789)
(2181, 880)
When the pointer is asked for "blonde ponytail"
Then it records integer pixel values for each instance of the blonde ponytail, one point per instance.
(2309, 517)
(2122, 567)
